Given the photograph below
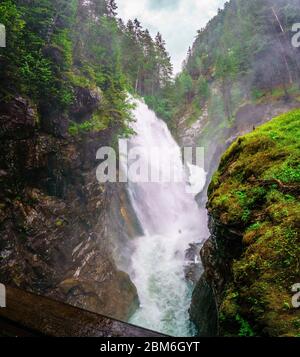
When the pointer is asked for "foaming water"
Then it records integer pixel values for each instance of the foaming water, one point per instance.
(171, 220)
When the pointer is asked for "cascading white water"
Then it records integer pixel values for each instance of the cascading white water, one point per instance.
(171, 220)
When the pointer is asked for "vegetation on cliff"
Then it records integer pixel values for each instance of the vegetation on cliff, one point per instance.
(55, 47)
(65, 75)
(255, 193)
(244, 55)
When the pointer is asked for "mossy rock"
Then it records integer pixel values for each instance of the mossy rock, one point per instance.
(256, 190)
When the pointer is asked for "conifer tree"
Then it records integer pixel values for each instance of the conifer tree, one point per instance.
(112, 8)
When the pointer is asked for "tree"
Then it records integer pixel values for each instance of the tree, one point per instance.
(112, 8)
(226, 70)
(184, 83)
(164, 65)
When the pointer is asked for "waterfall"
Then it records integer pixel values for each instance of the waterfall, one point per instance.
(171, 221)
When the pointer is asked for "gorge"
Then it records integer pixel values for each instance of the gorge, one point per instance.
(68, 77)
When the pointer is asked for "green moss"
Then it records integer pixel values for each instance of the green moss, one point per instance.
(245, 328)
(256, 191)
(85, 78)
(97, 123)
(59, 223)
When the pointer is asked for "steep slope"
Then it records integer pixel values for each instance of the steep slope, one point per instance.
(241, 71)
(252, 258)
(53, 219)
(63, 95)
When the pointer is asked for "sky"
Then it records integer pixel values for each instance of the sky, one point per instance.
(177, 20)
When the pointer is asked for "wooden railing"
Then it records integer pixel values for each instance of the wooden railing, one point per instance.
(27, 314)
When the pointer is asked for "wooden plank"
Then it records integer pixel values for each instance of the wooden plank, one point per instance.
(27, 314)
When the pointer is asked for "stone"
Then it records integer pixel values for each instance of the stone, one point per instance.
(56, 124)
(86, 102)
(18, 119)
(54, 214)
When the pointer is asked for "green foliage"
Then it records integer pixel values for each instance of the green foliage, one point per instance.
(245, 196)
(10, 57)
(245, 328)
(227, 65)
(26, 67)
(241, 56)
(63, 41)
(55, 46)
(203, 88)
(161, 106)
(254, 226)
(144, 59)
(97, 123)
(185, 85)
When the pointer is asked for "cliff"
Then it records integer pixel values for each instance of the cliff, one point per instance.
(63, 95)
(251, 260)
(240, 72)
(55, 216)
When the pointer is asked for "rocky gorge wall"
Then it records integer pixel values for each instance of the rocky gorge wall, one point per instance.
(55, 218)
(251, 260)
(215, 133)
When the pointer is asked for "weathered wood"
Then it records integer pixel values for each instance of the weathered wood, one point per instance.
(27, 314)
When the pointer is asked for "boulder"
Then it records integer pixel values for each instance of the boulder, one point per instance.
(18, 119)
(55, 54)
(86, 101)
(56, 124)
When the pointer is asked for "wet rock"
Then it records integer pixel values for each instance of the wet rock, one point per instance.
(188, 134)
(203, 310)
(54, 215)
(122, 224)
(217, 254)
(18, 119)
(113, 294)
(56, 124)
(193, 268)
(241, 271)
(86, 102)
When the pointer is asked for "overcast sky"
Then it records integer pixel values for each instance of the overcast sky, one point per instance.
(177, 20)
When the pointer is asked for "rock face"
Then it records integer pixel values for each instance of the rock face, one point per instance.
(203, 310)
(17, 119)
(215, 133)
(217, 255)
(87, 101)
(251, 260)
(122, 224)
(55, 216)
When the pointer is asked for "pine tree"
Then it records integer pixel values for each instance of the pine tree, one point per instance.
(165, 69)
(138, 30)
(112, 8)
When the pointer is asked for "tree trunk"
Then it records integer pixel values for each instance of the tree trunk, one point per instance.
(290, 77)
